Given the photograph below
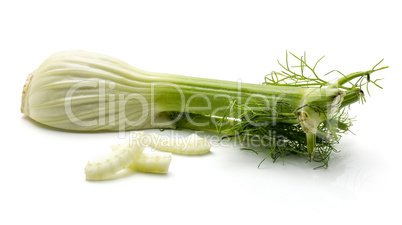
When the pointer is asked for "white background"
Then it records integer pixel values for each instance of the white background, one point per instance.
(42, 170)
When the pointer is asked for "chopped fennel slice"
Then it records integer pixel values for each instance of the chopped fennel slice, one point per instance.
(106, 165)
(131, 155)
(192, 145)
(150, 161)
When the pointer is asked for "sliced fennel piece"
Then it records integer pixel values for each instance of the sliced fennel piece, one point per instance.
(192, 145)
(104, 166)
(150, 162)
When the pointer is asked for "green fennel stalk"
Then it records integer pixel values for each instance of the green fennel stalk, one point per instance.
(317, 137)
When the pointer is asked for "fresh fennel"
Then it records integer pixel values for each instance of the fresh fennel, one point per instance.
(291, 112)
